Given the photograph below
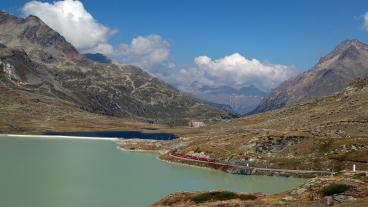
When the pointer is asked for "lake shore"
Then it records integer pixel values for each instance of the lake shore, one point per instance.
(164, 156)
(297, 196)
(164, 147)
(61, 137)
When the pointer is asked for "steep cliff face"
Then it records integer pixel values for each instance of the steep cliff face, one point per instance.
(346, 62)
(37, 59)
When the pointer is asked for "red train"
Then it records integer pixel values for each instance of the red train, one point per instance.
(191, 157)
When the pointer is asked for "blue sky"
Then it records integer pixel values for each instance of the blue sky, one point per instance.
(293, 33)
(285, 32)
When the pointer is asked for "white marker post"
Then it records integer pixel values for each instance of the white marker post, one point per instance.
(354, 168)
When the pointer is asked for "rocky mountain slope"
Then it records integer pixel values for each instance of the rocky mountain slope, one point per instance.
(26, 112)
(346, 62)
(36, 59)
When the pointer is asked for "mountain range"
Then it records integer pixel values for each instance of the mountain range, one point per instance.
(246, 90)
(37, 59)
(241, 100)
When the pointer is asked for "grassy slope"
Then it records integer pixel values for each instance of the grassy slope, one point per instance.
(327, 131)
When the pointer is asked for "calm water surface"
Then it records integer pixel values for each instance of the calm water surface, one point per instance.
(37, 172)
(119, 134)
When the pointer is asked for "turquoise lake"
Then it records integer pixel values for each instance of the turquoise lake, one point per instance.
(37, 172)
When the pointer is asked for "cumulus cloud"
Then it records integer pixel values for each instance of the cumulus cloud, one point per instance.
(151, 52)
(74, 22)
(236, 70)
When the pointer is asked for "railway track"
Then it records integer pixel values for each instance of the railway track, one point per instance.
(244, 167)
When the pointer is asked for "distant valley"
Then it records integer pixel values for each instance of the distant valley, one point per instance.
(241, 100)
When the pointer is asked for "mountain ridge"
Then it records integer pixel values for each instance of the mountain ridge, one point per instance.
(348, 61)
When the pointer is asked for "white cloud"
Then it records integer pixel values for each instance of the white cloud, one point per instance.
(70, 19)
(235, 70)
(151, 52)
(365, 24)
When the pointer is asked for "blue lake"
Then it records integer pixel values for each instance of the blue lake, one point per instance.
(119, 134)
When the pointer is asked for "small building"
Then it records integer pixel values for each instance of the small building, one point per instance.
(196, 124)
